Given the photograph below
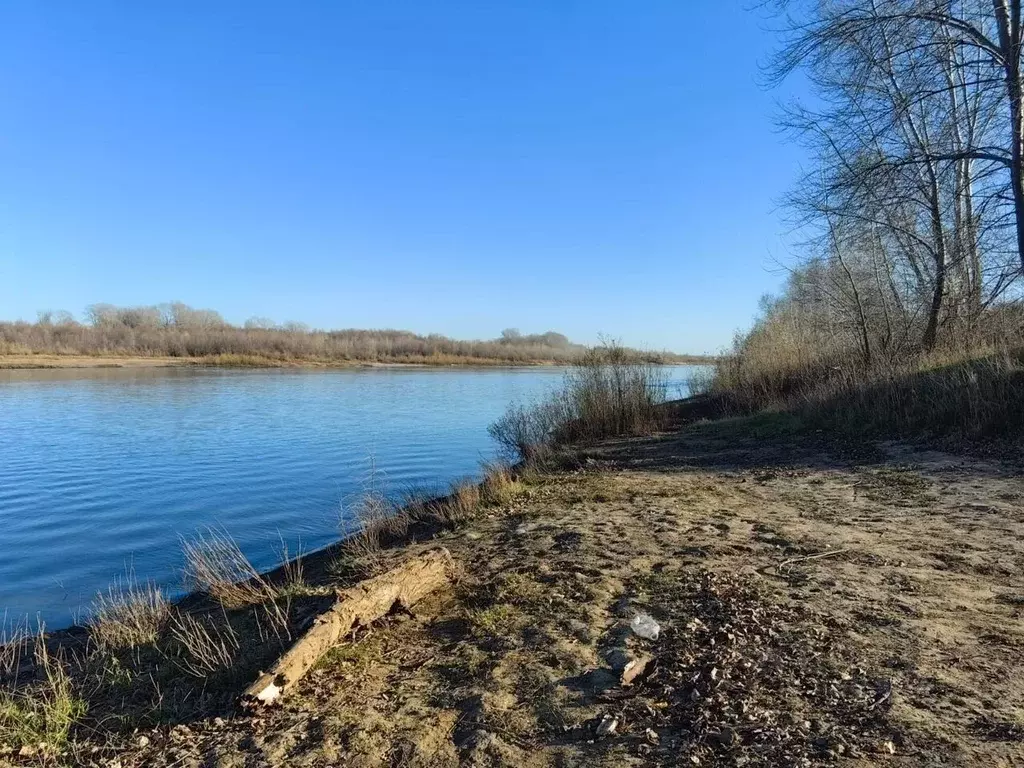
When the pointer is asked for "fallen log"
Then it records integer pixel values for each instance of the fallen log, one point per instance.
(360, 605)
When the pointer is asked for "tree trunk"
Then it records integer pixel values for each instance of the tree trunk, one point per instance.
(939, 256)
(1008, 22)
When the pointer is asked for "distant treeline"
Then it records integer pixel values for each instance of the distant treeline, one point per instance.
(178, 330)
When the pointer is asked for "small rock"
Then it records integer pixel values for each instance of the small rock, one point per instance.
(607, 725)
(644, 625)
(143, 741)
(219, 722)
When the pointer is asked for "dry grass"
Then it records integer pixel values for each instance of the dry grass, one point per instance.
(14, 646)
(876, 371)
(608, 392)
(960, 393)
(459, 506)
(205, 647)
(501, 485)
(369, 524)
(128, 615)
(292, 571)
(214, 564)
(376, 521)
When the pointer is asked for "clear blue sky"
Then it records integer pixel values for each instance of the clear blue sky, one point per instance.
(453, 167)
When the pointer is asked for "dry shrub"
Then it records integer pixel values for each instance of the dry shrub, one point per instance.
(460, 505)
(177, 330)
(868, 368)
(609, 392)
(128, 615)
(214, 564)
(36, 717)
(204, 646)
(500, 484)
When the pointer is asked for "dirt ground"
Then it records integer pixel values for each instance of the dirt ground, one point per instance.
(816, 605)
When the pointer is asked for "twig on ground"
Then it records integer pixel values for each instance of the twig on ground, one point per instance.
(818, 556)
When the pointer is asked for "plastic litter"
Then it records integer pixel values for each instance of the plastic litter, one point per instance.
(643, 625)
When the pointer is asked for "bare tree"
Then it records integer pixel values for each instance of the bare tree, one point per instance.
(909, 195)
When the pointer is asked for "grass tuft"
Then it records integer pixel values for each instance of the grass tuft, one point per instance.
(128, 615)
(36, 718)
(204, 647)
(214, 564)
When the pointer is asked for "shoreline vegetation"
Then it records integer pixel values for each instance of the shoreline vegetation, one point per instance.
(175, 334)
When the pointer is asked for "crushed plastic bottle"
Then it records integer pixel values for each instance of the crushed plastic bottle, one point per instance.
(643, 625)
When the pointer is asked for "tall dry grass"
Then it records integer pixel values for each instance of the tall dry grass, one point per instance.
(608, 392)
(128, 614)
(204, 647)
(215, 564)
(962, 390)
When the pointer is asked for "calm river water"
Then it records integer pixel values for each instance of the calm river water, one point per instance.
(103, 471)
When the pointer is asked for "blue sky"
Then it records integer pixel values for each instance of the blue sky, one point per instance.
(453, 167)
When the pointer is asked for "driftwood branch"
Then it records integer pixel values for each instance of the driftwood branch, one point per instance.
(358, 606)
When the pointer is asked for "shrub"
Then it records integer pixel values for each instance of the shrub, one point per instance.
(963, 392)
(609, 392)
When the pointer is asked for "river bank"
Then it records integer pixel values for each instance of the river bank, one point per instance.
(29, 362)
(817, 600)
(44, 361)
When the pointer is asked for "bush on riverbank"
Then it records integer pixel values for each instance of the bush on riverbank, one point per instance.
(608, 392)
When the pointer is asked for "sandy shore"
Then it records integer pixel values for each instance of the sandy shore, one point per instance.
(71, 361)
(817, 601)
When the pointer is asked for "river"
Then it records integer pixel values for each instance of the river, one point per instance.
(103, 471)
